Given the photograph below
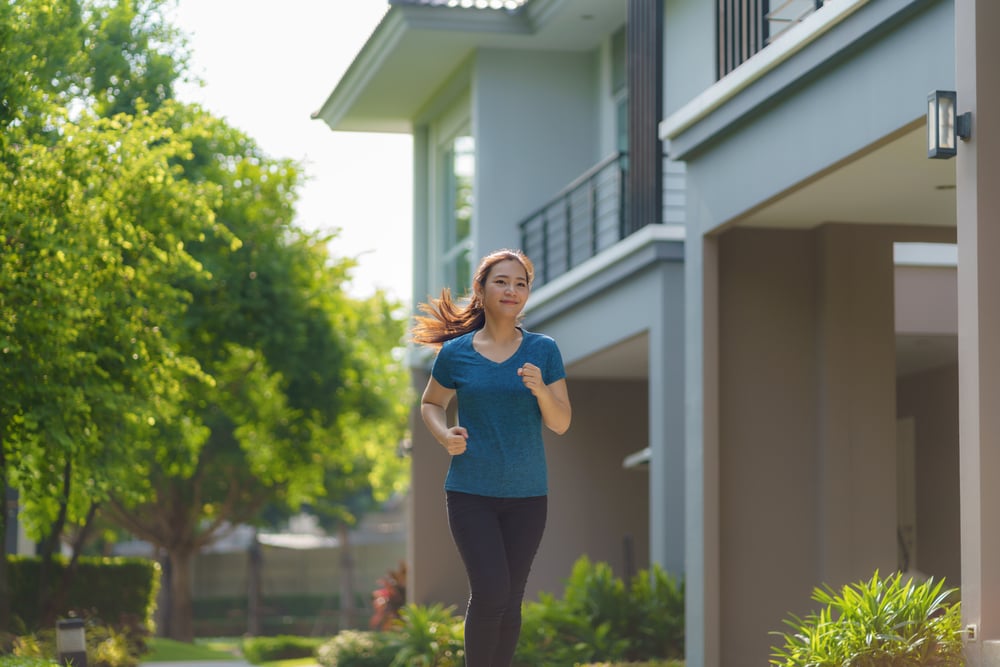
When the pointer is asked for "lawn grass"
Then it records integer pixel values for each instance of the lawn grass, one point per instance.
(169, 650)
(292, 662)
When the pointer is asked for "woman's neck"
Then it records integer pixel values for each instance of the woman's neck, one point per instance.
(500, 332)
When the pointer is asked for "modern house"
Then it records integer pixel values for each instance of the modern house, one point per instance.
(774, 308)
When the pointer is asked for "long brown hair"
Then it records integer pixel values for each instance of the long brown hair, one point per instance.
(444, 319)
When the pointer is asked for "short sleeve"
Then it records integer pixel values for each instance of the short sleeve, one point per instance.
(554, 369)
(441, 370)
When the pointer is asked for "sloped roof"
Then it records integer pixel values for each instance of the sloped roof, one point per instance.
(420, 44)
(509, 5)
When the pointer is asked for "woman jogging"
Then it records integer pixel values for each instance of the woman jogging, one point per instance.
(508, 383)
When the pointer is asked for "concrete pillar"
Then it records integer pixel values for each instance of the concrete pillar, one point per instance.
(977, 173)
(666, 427)
(701, 507)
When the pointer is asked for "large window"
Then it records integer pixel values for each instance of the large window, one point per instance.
(459, 174)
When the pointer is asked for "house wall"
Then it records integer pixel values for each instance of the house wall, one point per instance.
(595, 505)
(844, 92)
(926, 300)
(807, 423)
(688, 51)
(534, 116)
(435, 571)
(931, 399)
(643, 294)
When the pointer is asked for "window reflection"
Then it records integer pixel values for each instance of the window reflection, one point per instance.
(460, 169)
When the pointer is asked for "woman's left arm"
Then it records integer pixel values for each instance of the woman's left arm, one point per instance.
(554, 404)
(553, 399)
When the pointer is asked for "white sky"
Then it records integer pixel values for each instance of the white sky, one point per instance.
(267, 65)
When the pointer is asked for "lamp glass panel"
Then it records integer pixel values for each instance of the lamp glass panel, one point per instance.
(946, 122)
(932, 142)
(71, 640)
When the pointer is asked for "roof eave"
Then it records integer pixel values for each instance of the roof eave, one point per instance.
(371, 96)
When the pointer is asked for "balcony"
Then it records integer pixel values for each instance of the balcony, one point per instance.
(590, 215)
(586, 217)
(747, 26)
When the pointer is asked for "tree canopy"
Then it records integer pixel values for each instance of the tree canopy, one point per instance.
(176, 353)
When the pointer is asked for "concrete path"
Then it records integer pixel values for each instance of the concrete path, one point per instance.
(198, 663)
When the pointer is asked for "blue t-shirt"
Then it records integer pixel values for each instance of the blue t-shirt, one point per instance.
(504, 455)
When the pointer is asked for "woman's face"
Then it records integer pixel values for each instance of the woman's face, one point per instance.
(506, 290)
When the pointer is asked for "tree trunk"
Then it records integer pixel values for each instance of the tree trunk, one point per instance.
(181, 609)
(4, 576)
(348, 611)
(57, 600)
(47, 588)
(164, 598)
(254, 567)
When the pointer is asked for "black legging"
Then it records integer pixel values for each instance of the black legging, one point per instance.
(497, 539)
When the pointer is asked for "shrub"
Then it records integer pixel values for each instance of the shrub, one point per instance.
(658, 608)
(878, 623)
(428, 637)
(355, 648)
(388, 599)
(602, 619)
(283, 647)
(599, 619)
(106, 646)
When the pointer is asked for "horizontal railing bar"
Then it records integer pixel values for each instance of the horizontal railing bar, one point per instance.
(576, 183)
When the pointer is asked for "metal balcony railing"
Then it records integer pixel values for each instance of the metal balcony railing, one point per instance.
(747, 26)
(586, 217)
(590, 215)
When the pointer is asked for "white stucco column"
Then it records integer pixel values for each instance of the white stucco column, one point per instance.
(978, 172)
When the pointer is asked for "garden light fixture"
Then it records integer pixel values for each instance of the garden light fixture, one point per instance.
(71, 644)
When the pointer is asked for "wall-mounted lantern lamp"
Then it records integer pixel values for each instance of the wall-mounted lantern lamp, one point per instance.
(944, 126)
(71, 642)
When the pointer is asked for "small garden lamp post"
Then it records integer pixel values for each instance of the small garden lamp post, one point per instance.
(944, 125)
(71, 642)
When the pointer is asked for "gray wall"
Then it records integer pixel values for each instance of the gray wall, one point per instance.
(688, 51)
(595, 504)
(640, 295)
(931, 398)
(807, 423)
(536, 127)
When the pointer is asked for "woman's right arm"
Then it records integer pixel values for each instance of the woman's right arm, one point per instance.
(433, 407)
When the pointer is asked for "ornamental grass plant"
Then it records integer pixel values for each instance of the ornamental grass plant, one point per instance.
(883, 622)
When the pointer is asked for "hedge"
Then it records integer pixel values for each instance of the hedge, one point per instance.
(110, 589)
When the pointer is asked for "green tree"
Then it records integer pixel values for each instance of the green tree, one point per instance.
(91, 256)
(306, 383)
(176, 353)
(41, 42)
(134, 55)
